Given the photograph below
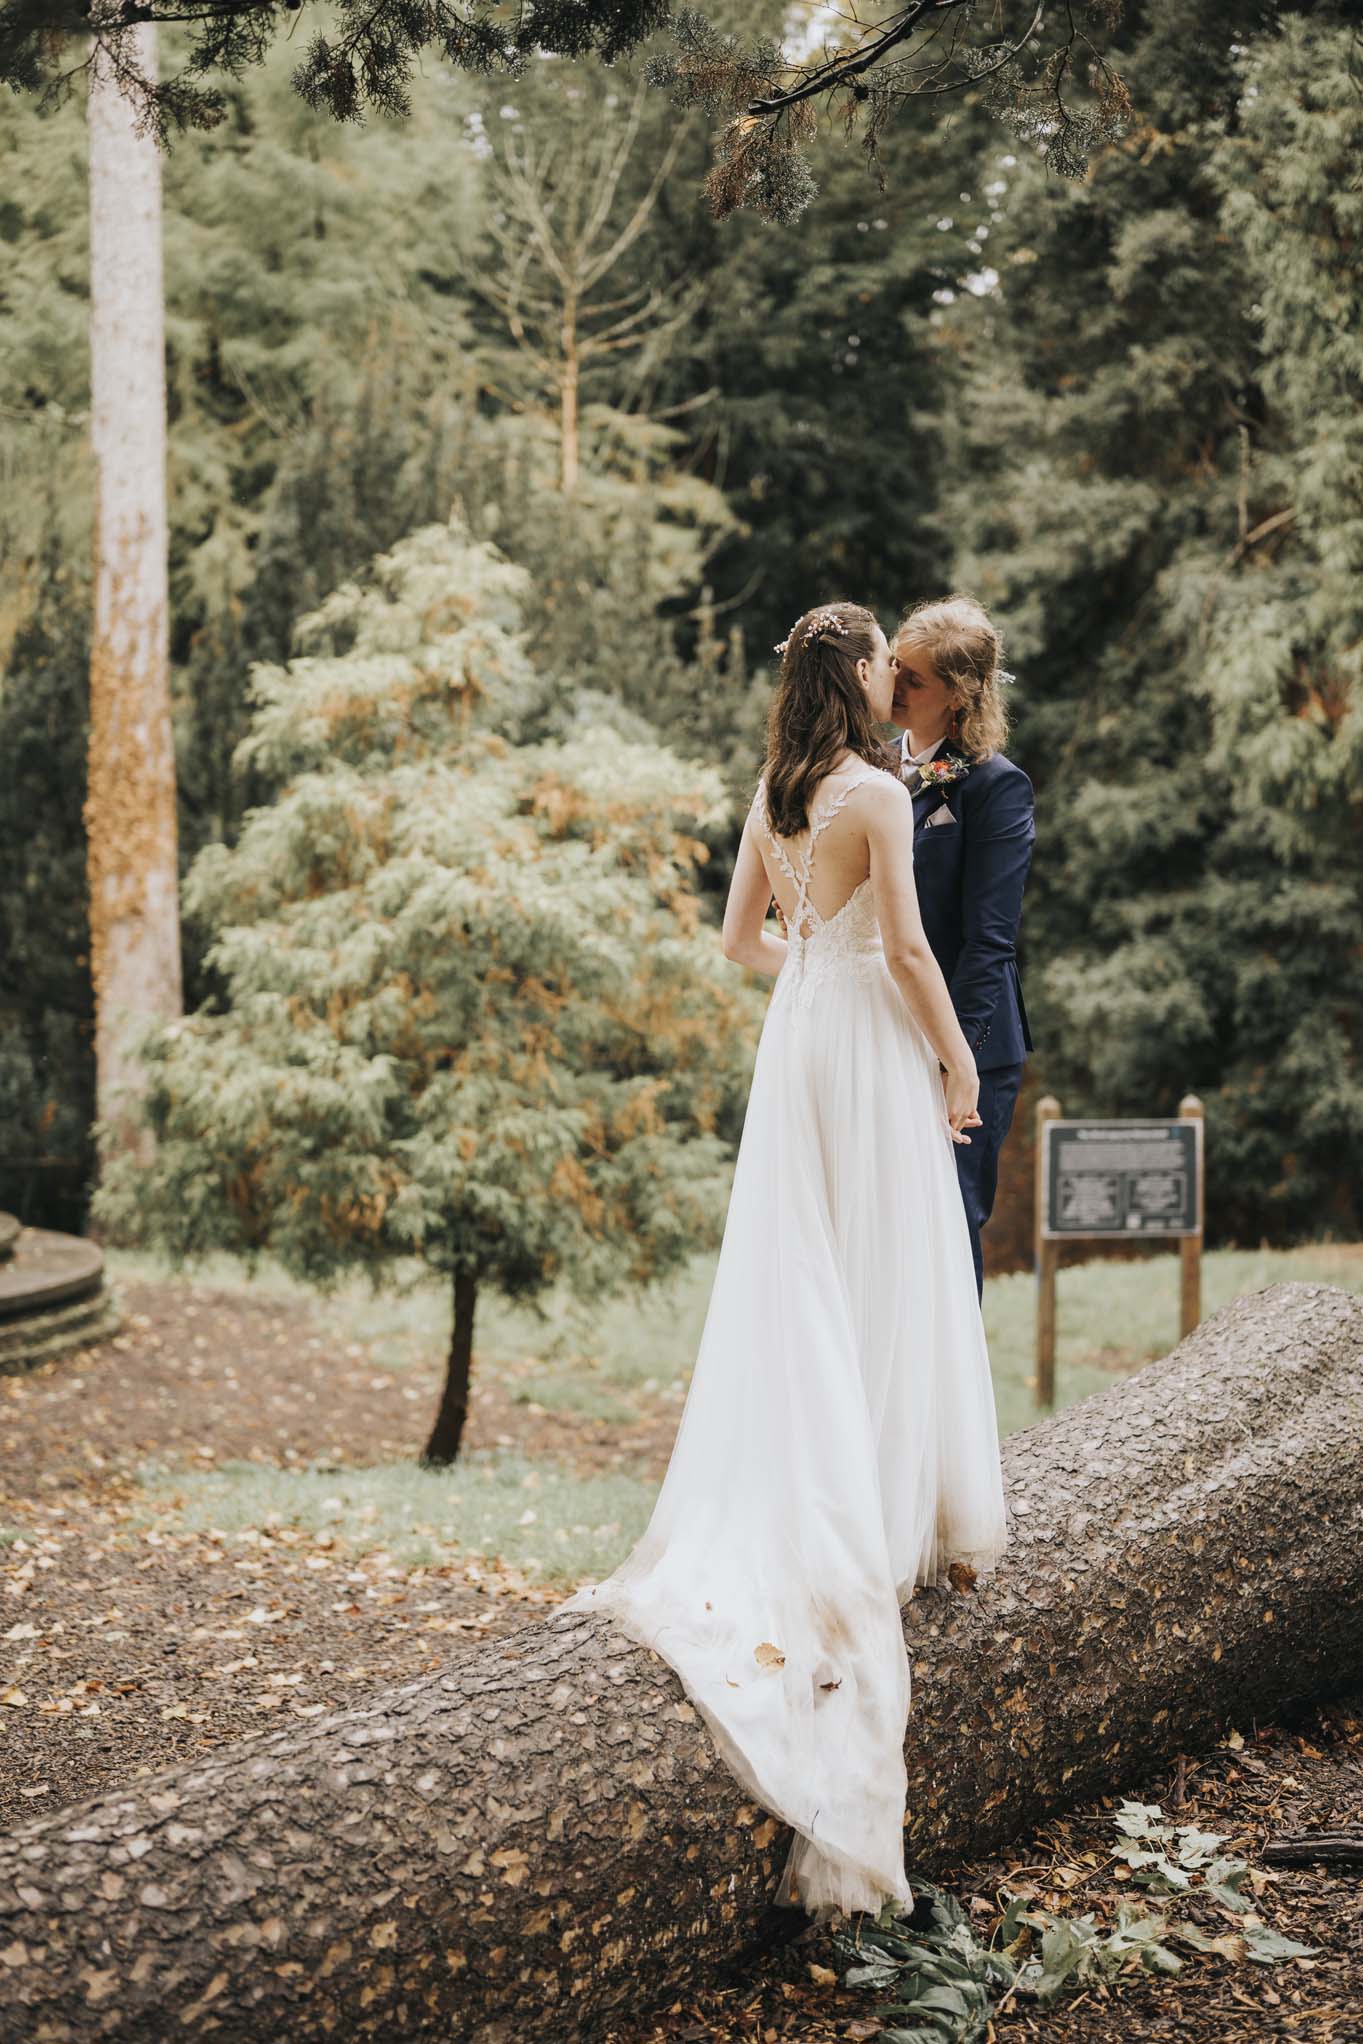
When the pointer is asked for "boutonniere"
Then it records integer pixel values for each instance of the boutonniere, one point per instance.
(940, 772)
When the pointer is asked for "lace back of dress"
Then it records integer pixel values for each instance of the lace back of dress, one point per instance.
(800, 870)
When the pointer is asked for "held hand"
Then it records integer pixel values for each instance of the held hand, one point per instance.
(962, 1090)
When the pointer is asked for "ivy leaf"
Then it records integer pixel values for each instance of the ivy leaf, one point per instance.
(1264, 1945)
(951, 2001)
(1161, 1875)
(1195, 1846)
(1222, 1882)
(1142, 1820)
(1064, 1947)
(1230, 1945)
(879, 1973)
(1008, 1929)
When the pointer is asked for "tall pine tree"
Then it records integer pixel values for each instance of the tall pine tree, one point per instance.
(1161, 506)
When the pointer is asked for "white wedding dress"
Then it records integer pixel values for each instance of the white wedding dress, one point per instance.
(839, 1442)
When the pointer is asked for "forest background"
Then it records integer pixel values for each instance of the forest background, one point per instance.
(1126, 411)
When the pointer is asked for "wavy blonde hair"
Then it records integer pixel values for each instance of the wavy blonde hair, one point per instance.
(962, 642)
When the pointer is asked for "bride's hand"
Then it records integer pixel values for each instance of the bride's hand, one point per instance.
(962, 1090)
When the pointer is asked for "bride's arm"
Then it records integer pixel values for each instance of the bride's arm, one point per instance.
(889, 831)
(746, 941)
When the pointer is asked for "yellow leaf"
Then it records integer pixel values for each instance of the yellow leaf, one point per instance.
(823, 1976)
(13, 1695)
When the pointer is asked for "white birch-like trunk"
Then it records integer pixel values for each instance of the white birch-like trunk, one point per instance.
(130, 808)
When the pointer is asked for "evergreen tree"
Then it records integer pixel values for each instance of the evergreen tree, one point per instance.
(580, 474)
(46, 1003)
(311, 354)
(1155, 502)
(469, 1013)
(1047, 76)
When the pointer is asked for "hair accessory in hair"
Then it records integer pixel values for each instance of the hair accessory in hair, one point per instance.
(821, 621)
(1004, 675)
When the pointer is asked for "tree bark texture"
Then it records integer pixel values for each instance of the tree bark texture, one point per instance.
(544, 1834)
(130, 808)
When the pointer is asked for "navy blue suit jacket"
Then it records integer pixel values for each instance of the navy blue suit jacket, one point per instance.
(970, 874)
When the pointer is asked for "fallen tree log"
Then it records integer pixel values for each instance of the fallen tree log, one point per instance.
(1314, 1848)
(543, 1834)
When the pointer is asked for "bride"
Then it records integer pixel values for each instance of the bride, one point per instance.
(838, 1444)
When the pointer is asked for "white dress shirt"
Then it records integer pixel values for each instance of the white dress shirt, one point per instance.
(917, 759)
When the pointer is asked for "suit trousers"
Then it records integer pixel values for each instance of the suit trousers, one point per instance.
(977, 1168)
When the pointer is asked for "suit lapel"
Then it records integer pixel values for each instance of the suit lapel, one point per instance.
(925, 802)
(928, 800)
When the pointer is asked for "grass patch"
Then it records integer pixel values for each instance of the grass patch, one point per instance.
(534, 1516)
(1113, 1317)
(634, 1343)
(603, 1361)
(589, 1359)
(576, 1388)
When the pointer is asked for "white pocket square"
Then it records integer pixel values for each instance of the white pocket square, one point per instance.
(942, 815)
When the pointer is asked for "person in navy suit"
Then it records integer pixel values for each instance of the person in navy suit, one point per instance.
(972, 845)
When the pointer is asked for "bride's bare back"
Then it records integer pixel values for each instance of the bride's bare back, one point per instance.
(838, 826)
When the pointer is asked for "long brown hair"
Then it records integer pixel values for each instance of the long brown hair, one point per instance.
(961, 640)
(820, 709)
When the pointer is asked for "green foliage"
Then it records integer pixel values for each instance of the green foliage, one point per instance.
(1054, 85)
(46, 1067)
(831, 371)
(604, 569)
(316, 361)
(940, 1983)
(1140, 445)
(362, 60)
(1164, 507)
(469, 1013)
(328, 393)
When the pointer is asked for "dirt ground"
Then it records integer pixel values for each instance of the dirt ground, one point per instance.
(124, 1650)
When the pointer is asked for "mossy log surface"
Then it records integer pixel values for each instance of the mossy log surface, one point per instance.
(543, 1834)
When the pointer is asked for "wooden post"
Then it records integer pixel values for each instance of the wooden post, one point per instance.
(1190, 1246)
(1047, 1252)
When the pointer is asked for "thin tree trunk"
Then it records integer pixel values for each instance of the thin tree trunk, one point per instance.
(446, 1434)
(130, 808)
(569, 378)
(544, 1834)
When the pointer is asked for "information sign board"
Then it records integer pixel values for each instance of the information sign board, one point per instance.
(1121, 1179)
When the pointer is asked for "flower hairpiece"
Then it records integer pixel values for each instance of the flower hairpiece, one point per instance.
(821, 621)
(1004, 675)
